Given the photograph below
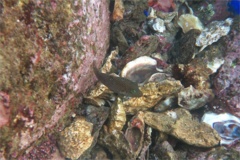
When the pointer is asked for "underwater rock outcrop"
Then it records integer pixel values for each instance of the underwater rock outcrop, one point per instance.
(47, 48)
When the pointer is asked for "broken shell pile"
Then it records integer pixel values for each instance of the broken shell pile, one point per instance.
(174, 78)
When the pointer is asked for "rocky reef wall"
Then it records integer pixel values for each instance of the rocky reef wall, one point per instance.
(47, 48)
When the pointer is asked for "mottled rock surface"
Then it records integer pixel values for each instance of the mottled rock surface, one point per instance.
(47, 48)
(227, 82)
(180, 124)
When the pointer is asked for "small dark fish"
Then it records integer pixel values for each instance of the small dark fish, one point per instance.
(118, 85)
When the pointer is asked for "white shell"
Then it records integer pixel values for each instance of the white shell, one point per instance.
(157, 24)
(188, 22)
(141, 63)
(211, 118)
(215, 64)
(213, 32)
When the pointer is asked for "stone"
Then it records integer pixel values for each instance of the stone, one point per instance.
(47, 50)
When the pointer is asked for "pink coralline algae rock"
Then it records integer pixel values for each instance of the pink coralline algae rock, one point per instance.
(221, 10)
(227, 81)
(45, 150)
(47, 49)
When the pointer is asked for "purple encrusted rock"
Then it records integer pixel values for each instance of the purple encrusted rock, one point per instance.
(227, 81)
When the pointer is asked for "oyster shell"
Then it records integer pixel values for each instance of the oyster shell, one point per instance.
(117, 116)
(164, 150)
(152, 13)
(166, 16)
(166, 104)
(116, 143)
(98, 95)
(135, 133)
(146, 143)
(227, 125)
(97, 116)
(188, 22)
(153, 92)
(180, 124)
(213, 32)
(157, 25)
(145, 46)
(130, 145)
(76, 138)
(215, 64)
(108, 66)
(158, 77)
(140, 69)
(191, 98)
(97, 153)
